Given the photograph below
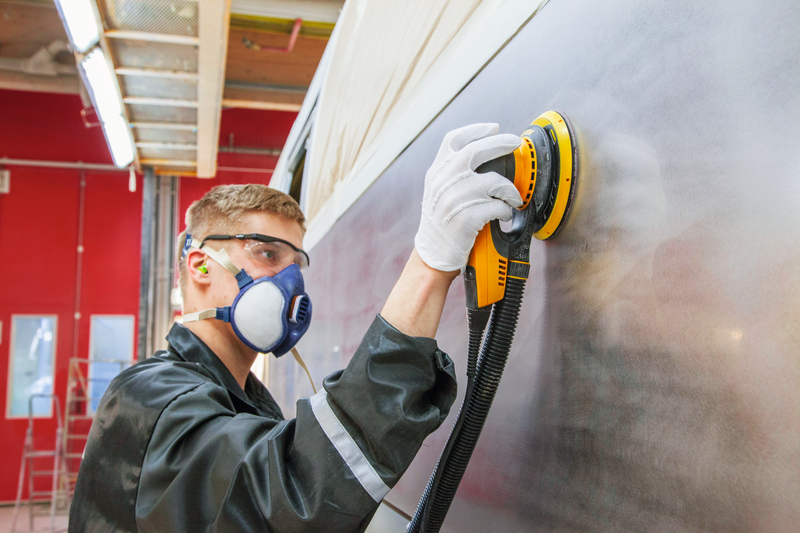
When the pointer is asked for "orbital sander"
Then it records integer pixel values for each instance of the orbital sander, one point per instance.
(544, 170)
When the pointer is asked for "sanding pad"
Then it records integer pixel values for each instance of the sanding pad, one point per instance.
(556, 187)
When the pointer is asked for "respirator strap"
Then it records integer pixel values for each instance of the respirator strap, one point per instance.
(302, 363)
(220, 256)
(199, 315)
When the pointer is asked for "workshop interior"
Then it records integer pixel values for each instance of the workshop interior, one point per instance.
(627, 347)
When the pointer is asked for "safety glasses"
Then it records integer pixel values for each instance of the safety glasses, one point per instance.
(271, 251)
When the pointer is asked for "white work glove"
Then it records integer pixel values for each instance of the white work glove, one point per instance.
(458, 202)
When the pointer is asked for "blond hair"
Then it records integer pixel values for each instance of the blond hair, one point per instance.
(222, 208)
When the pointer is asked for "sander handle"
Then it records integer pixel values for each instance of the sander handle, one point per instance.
(488, 265)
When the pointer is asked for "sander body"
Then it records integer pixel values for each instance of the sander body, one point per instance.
(544, 171)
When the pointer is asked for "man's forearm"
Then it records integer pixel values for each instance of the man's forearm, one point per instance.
(415, 305)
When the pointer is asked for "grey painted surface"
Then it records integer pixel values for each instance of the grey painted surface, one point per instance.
(387, 520)
(654, 384)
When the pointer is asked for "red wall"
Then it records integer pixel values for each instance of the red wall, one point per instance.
(39, 238)
(39, 232)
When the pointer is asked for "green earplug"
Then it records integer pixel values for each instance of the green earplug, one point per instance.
(203, 269)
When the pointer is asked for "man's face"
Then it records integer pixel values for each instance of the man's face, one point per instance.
(223, 288)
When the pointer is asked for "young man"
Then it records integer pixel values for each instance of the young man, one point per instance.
(189, 440)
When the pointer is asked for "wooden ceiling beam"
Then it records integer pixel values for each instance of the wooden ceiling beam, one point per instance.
(259, 104)
(213, 31)
(164, 126)
(169, 102)
(314, 10)
(168, 163)
(152, 37)
(153, 73)
(166, 146)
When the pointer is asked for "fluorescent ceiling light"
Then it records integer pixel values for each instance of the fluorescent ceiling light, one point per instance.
(119, 141)
(99, 78)
(102, 85)
(78, 18)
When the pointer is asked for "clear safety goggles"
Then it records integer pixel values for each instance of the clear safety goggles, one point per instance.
(270, 251)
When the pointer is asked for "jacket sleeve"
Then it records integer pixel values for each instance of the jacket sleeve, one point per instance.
(210, 469)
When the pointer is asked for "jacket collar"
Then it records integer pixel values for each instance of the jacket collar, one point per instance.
(188, 346)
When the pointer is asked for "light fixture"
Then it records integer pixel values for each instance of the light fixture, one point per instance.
(101, 82)
(83, 28)
(79, 20)
(119, 141)
(102, 85)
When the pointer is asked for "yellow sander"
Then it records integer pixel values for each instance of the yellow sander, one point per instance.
(544, 170)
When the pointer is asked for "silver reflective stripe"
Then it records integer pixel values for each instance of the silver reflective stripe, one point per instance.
(347, 447)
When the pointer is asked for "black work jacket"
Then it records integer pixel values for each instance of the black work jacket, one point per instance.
(176, 445)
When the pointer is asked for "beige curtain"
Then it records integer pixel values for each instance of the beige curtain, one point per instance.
(384, 49)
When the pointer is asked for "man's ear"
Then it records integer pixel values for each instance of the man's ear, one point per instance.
(197, 266)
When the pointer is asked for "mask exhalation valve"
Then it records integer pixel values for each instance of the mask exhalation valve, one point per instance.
(299, 312)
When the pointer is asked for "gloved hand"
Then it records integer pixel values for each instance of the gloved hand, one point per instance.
(458, 201)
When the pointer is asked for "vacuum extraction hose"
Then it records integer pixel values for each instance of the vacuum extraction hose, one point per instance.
(481, 391)
(544, 171)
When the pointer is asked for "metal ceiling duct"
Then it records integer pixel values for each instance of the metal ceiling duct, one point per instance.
(169, 57)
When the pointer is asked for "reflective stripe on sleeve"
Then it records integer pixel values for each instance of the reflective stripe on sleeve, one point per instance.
(347, 447)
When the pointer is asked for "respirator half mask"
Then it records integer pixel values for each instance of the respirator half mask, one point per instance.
(269, 314)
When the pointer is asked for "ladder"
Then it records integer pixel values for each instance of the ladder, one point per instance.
(79, 413)
(32, 458)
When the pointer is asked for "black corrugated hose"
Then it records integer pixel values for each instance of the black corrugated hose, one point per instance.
(480, 394)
